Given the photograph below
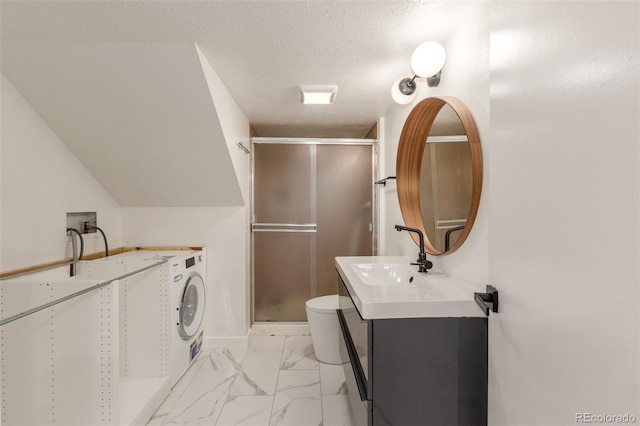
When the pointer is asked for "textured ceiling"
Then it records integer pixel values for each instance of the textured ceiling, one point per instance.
(262, 50)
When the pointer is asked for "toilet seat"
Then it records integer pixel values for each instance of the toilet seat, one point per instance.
(326, 304)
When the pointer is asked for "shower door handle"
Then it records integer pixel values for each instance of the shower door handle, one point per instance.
(284, 227)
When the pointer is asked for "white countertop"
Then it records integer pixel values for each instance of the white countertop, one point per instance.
(429, 295)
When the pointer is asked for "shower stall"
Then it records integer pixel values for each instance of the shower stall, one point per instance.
(313, 200)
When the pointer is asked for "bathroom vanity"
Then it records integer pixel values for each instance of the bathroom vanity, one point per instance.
(416, 353)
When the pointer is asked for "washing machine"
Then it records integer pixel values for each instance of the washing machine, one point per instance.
(188, 303)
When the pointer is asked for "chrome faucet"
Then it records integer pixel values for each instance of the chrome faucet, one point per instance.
(423, 264)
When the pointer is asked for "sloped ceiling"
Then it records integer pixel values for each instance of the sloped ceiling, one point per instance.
(120, 82)
(139, 116)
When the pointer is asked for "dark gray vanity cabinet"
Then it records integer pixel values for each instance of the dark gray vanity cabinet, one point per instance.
(416, 371)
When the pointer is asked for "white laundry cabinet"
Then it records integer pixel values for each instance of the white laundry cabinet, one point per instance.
(101, 358)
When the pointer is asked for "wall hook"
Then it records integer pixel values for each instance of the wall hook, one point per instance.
(488, 301)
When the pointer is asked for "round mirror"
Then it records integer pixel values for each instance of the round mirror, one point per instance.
(439, 173)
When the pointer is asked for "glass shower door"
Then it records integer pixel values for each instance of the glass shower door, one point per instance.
(312, 202)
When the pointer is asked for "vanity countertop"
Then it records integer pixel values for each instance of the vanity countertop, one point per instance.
(390, 287)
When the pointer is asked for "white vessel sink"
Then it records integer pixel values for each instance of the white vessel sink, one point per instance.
(390, 287)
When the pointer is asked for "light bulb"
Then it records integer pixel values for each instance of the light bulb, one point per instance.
(399, 96)
(428, 59)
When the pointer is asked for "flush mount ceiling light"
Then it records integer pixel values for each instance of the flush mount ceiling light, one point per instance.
(318, 94)
(426, 62)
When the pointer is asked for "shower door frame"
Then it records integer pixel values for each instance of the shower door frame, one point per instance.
(373, 143)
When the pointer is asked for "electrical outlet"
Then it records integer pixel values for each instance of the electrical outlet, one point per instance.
(84, 222)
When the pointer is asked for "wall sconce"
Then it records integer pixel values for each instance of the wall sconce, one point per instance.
(426, 62)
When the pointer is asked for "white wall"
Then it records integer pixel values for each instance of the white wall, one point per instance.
(558, 230)
(235, 127)
(233, 122)
(466, 76)
(41, 180)
(564, 233)
(221, 230)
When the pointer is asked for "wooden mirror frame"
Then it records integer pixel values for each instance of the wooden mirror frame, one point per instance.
(411, 147)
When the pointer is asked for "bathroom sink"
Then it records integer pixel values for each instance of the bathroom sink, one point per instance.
(385, 274)
(391, 287)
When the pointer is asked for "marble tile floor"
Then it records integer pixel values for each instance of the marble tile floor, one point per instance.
(276, 380)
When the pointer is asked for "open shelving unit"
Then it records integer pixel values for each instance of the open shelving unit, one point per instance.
(144, 339)
(101, 358)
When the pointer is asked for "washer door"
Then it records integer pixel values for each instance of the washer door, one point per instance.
(191, 310)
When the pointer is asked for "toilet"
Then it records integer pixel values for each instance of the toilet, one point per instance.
(325, 328)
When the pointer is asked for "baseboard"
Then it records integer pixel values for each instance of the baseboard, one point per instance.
(280, 329)
(227, 341)
(258, 329)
